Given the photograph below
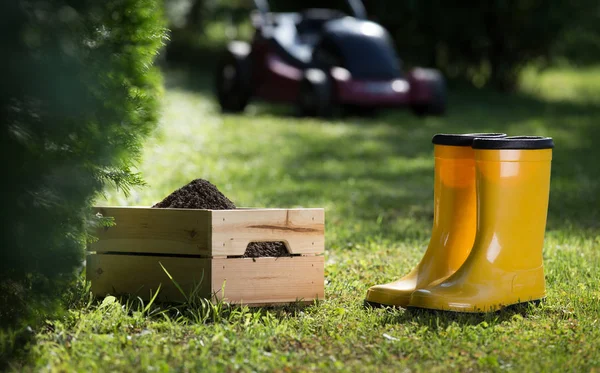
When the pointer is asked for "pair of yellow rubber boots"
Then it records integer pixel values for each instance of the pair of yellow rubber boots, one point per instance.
(490, 206)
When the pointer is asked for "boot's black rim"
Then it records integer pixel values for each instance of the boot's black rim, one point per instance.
(462, 139)
(514, 142)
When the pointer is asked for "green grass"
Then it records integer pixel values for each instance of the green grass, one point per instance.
(374, 177)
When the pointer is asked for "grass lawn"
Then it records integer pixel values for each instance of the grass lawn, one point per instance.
(374, 178)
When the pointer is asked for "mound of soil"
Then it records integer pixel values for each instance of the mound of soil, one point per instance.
(198, 194)
(201, 194)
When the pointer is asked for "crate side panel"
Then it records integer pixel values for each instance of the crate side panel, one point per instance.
(148, 230)
(141, 275)
(302, 230)
(268, 280)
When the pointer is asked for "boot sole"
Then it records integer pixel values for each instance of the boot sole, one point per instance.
(515, 307)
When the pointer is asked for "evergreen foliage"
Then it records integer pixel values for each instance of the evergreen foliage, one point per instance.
(78, 95)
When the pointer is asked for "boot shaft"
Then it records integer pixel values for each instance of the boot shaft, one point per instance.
(513, 185)
(455, 202)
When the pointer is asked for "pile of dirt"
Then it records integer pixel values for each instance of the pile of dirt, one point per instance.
(201, 194)
(198, 194)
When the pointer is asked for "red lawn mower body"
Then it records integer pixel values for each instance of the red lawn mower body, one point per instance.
(320, 59)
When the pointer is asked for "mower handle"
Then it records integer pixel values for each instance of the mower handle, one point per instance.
(358, 8)
(262, 6)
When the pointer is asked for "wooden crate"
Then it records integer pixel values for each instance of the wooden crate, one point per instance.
(201, 250)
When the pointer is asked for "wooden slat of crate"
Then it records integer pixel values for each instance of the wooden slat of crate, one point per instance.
(302, 230)
(269, 280)
(209, 232)
(140, 275)
(160, 231)
(249, 281)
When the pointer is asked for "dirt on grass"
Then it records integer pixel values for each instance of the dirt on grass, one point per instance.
(201, 194)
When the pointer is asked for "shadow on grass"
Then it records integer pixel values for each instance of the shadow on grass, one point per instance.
(407, 191)
(440, 320)
(575, 186)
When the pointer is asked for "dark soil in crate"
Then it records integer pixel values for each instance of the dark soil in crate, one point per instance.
(201, 194)
(198, 194)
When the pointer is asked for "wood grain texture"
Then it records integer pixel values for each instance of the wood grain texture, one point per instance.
(251, 281)
(209, 232)
(148, 230)
(302, 230)
(140, 275)
(260, 281)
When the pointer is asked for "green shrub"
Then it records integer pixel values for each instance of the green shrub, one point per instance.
(486, 43)
(78, 94)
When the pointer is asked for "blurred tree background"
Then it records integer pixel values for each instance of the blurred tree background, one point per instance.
(483, 43)
(78, 95)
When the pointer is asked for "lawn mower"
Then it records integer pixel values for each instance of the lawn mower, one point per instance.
(322, 59)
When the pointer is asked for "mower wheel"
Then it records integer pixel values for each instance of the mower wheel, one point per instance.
(315, 96)
(435, 84)
(233, 81)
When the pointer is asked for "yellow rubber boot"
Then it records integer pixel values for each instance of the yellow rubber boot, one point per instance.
(454, 220)
(505, 265)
